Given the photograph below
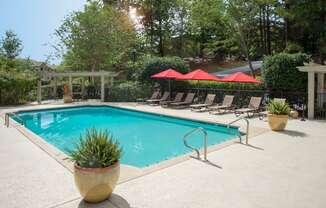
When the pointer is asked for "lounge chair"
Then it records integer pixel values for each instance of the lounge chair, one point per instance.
(226, 105)
(155, 95)
(187, 101)
(208, 102)
(164, 97)
(177, 98)
(253, 107)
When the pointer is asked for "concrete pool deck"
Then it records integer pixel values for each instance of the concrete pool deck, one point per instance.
(279, 169)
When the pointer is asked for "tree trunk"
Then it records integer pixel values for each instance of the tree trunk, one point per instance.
(268, 32)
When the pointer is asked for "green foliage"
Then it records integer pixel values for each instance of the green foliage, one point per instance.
(217, 85)
(293, 48)
(128, 92)
(96, 149)
(16, 87)
(10, 45)
(278, 108)
(97, 38)
(280, 73)
(153, 65)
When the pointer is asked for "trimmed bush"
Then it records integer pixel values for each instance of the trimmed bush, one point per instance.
(153, 65)
(218, 85)
(16, 88)
(128, 92)
(279, 72)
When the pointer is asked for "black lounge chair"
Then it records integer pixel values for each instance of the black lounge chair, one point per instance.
(208, 102)
(253, 107)
(155, 95)
(177, 98)
(187, 101)
(225, 106)
(164, 97)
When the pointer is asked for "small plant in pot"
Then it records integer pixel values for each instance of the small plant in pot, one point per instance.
(278, 115)
(97, 167)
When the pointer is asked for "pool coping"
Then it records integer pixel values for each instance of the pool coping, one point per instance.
(131, 171)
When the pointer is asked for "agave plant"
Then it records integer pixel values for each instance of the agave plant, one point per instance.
(278, 108)
(96, 149)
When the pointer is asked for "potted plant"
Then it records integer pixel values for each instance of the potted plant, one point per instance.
(278, 115)
(67, 98)
(96, 165)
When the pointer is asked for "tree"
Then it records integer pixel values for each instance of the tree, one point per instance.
(242, 23)
(157, 22)
(97, 38)
(11, 45)
(207, 22)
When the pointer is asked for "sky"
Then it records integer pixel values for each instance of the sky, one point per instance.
(35, 21)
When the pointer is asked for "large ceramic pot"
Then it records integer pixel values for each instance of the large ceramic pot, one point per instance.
(277, 122)
(67, 99)
(96, 184)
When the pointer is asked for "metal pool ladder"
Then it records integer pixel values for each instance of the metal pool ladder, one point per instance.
(193, 148)
(247, 128)
(7, 119)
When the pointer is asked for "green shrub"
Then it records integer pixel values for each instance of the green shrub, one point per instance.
(278, 108)
(16, 87)
(293, 48)
(152, 65)
(280, 73)
(218, 85)
(128, 91)
(97, 149)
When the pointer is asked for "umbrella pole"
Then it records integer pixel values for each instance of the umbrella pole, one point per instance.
(169, 89)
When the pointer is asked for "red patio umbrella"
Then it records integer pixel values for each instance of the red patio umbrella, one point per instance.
(168, 74)
(200, 75)
(240, 77)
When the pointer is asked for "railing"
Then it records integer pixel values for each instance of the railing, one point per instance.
(7, 119)
(247, 128)
(195, 149)
(320, 106)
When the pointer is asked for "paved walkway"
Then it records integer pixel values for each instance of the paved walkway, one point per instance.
(285, 169)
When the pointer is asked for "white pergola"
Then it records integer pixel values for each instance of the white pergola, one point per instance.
(312, 69)
(47, 76)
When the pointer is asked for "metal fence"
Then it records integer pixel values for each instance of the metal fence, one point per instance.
(242, 97)
(320, 106)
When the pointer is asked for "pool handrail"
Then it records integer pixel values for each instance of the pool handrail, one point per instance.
(247, 128)
(7, 119)
(193, 148)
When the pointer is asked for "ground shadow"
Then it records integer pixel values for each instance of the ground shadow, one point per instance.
(252, 146)
(207, 162)
(293, 133)
(115, 201)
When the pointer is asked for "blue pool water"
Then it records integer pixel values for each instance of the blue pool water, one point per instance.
(146, 138)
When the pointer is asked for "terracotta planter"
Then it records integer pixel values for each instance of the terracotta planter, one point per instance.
(96, 184)
(294, 114)
(277, 122)
(67, 99)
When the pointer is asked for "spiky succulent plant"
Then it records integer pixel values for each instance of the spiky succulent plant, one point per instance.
(96, 149)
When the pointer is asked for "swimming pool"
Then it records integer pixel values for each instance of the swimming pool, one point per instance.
(146, 138)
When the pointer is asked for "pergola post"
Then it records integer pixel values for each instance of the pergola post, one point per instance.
(320, 89)
(55, 86)
(311, 95)
(70, 84)
(39, 91)
(102, 88)
(83, 88)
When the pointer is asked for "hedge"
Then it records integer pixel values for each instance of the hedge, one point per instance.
(279, 72)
